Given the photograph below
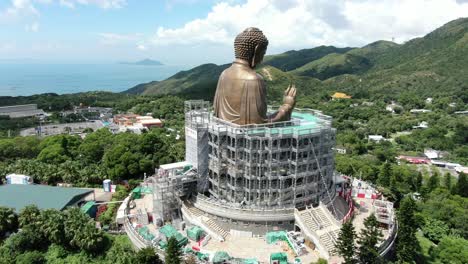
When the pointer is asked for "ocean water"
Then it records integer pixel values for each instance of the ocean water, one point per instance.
(35, 78)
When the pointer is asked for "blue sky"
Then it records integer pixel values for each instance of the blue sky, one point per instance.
(200, 31)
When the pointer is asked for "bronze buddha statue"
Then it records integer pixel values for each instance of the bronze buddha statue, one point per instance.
(241, 92)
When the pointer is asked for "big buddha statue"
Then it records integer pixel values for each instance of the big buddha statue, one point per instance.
(241, 92)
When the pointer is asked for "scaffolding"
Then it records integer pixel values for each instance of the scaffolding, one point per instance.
(197, 116)
(276, 165)
(169, 184)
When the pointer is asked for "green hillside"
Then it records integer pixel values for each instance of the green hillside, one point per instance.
(294, 59)
(430, 66)
(194, 83)
(333, 65)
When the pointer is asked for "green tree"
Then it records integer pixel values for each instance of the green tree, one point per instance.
(406, 248)
(121, 251)
(173, 254)
(31, 257)
(418, 182)
(8, 221)
(345, 244)
(29, 215)
(81, 232)
(147, 256)
(53, 226)
(433, 182)
(451, 250)
(462, 185)
(368, 240)
(448, 181)
(321, 261)
(385, 174)
(434, 229)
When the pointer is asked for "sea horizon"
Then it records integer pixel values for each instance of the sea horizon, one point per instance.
(27, 78)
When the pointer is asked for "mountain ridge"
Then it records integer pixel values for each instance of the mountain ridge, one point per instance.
(426, 66)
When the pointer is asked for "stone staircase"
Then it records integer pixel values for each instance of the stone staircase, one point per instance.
(329, 240)
(205, 221)
(193, 210)
(309, 220)
(321, 223)
(211, 224)
(324, 219)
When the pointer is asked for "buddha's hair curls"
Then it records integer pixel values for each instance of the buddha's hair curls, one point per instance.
(246, 41)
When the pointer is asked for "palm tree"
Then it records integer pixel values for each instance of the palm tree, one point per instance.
(8, 221)
(29, 215)
(53, 226)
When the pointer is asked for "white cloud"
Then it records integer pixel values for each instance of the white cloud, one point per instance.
(105, 4)
(67, 3)
(18, 9)
(141, 47)
(34, 27)
(306, 23)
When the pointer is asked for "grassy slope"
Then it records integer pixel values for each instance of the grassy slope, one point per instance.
(294, 59)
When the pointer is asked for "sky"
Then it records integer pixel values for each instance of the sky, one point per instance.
(191, 32)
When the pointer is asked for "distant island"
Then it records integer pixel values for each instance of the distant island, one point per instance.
(145, 62)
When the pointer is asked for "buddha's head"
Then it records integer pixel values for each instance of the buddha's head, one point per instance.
(251, 45)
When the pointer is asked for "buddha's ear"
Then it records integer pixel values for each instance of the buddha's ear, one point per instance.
(252, 62)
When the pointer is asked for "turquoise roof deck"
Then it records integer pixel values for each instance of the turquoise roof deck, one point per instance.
(302, 123)
(18, 196)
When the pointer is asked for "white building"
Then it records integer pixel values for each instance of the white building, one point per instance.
(432, 154)
(422, 125)
(376, 138)
(418, 111)
(18, 179)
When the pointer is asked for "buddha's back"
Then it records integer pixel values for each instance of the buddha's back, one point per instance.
(240, 95)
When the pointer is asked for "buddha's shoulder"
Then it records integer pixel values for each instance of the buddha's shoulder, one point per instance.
(242, 74)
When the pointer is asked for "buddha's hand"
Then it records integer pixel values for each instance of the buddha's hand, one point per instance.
(289, 98)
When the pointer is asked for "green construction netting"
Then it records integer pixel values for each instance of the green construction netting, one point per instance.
(250, 261)
(272, 237)
(162, 244)
(281, 257)
(220, 257)
(146, 189)
(202, 256)
(169, 231)
(136, 193)
(188, 250)
(145, 233)
(195, 233)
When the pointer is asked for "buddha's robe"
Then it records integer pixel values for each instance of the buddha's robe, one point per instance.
(241, 96)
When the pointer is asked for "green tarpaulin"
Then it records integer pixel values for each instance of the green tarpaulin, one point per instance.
(202, 256)
(280, 257)
(195, 233)
(145, 233)
(272, 237)
(136, 193)
(169, 231)
(221, 257)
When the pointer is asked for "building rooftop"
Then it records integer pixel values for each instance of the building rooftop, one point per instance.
(18, 196)
(303, 122)
(339, 95)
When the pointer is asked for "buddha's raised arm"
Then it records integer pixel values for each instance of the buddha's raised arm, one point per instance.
(285, 110)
